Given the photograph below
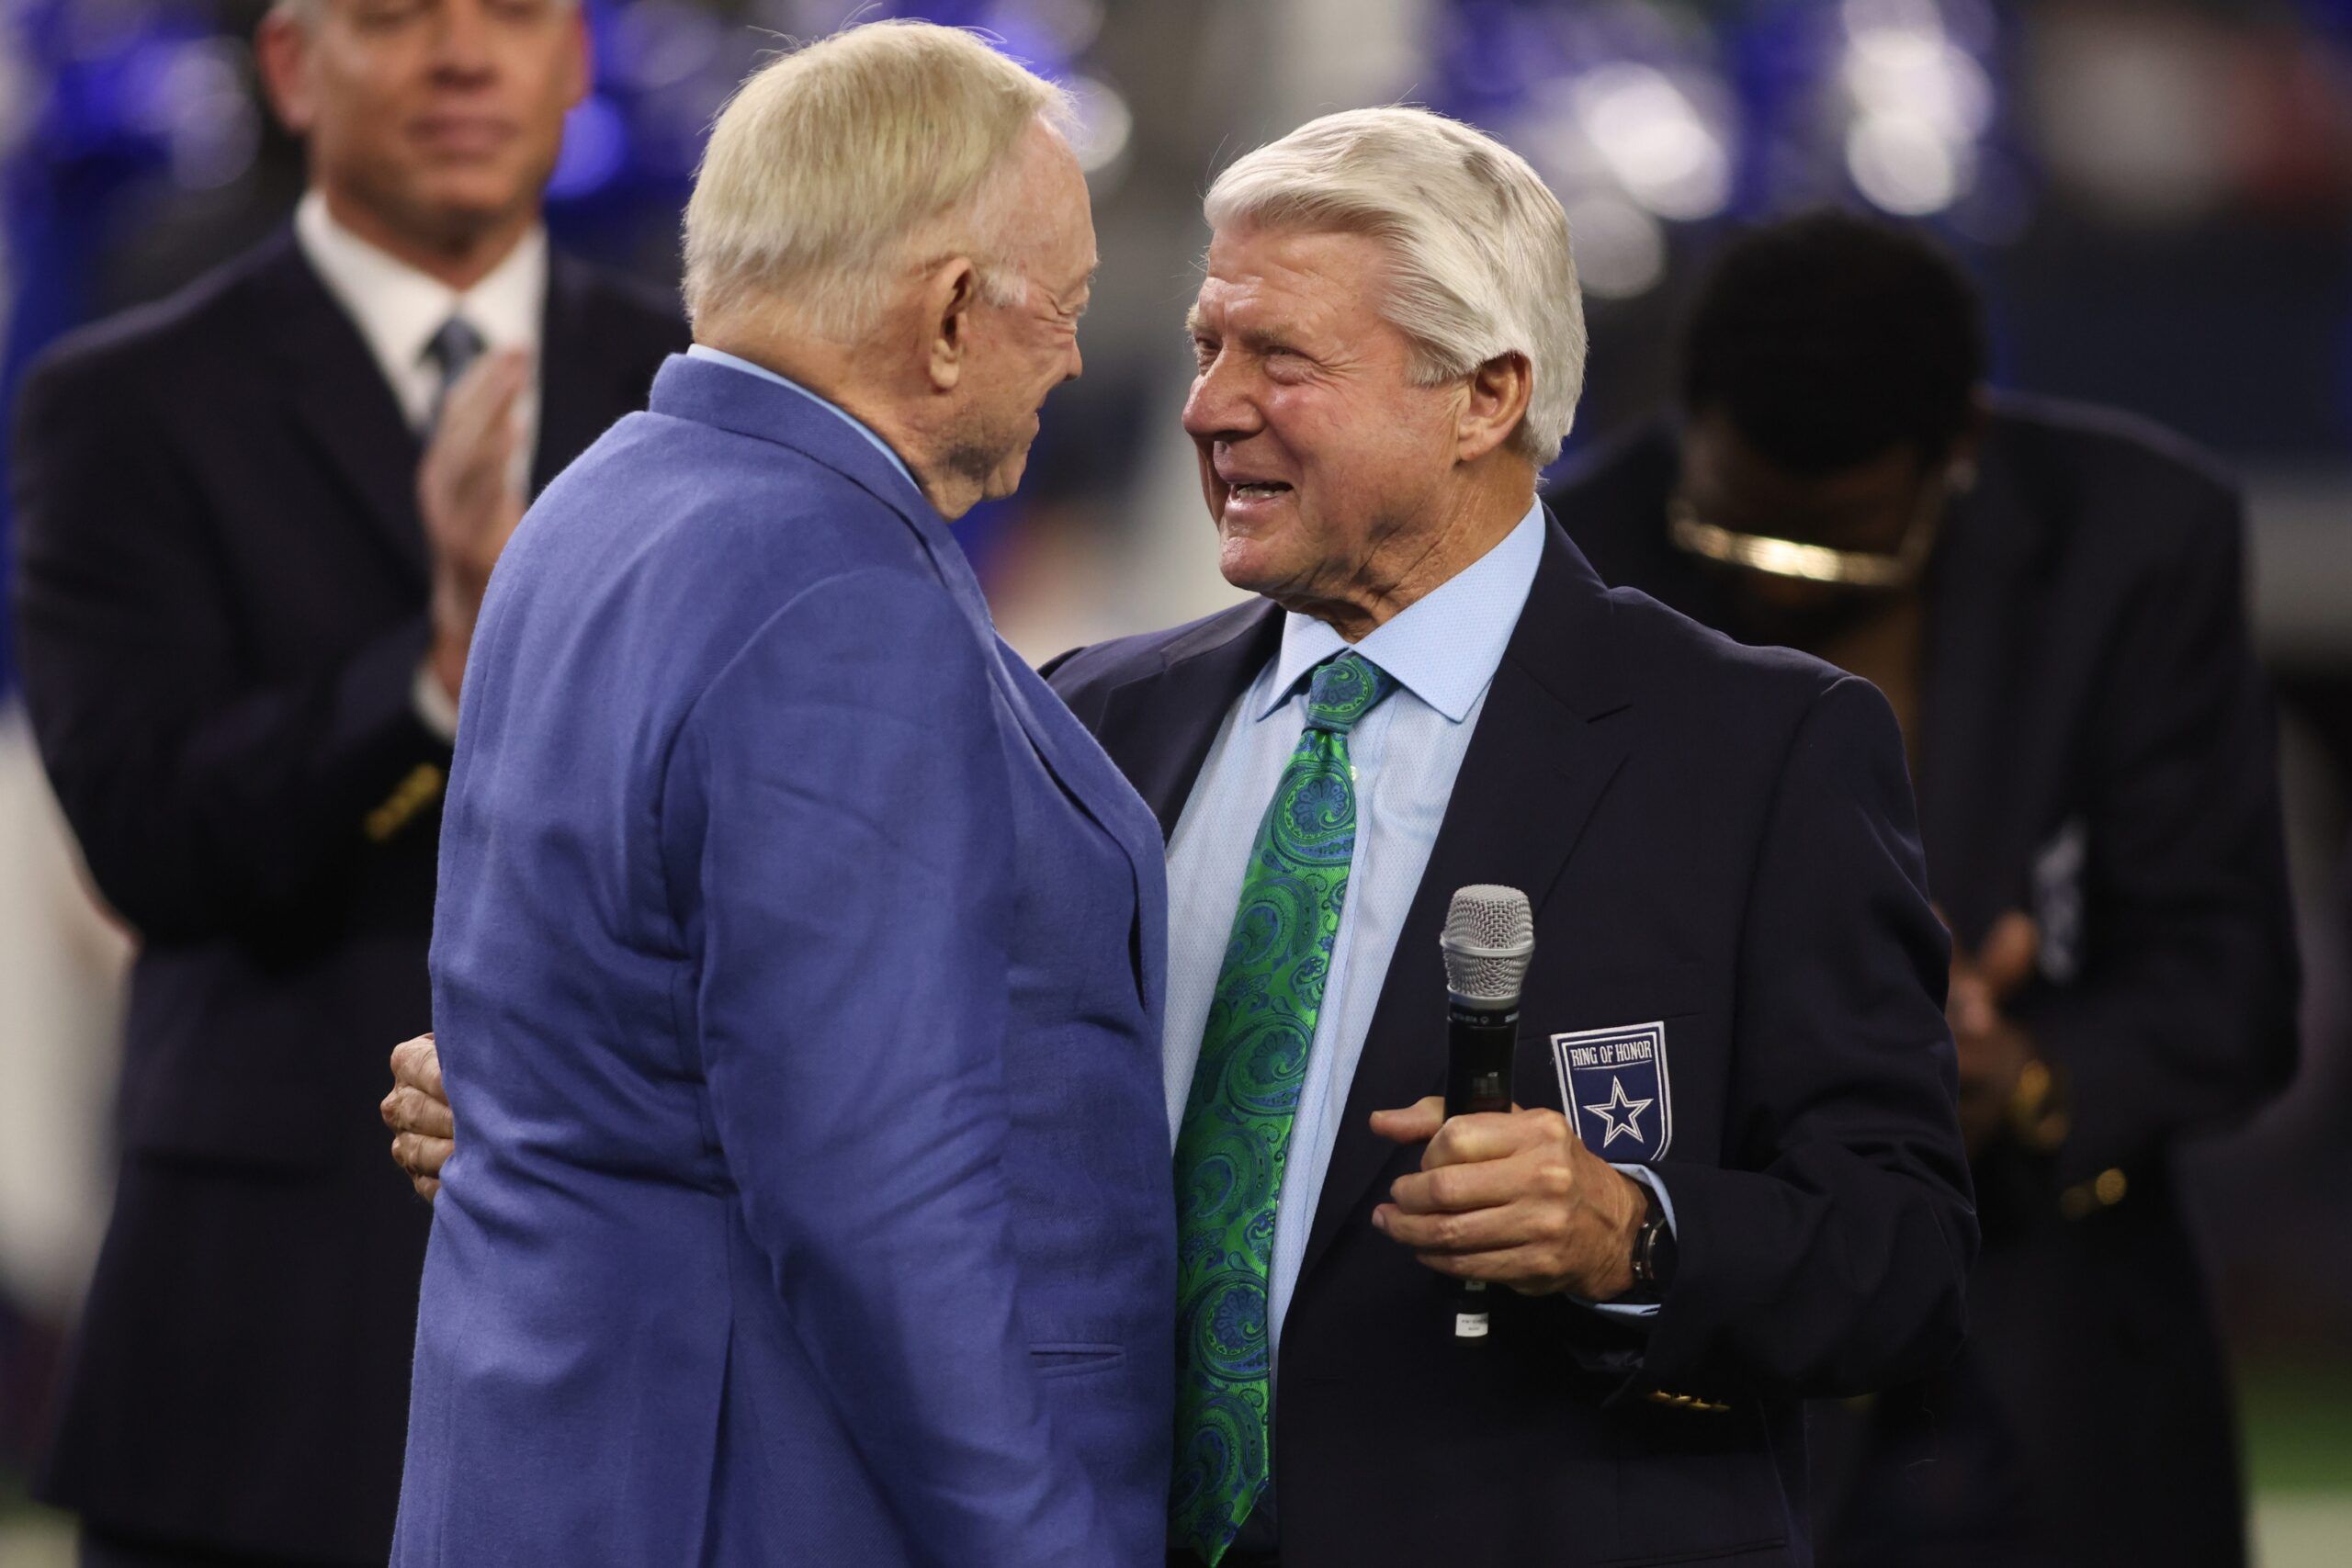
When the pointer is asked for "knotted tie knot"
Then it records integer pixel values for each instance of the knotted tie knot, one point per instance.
(454, 347)
(452, 351)
(1343, 690)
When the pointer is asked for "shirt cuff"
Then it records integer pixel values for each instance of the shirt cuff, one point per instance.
(434, 708)
(1651, 1179)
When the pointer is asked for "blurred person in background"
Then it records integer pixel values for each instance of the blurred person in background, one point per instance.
(2050, 597)
(255, 522)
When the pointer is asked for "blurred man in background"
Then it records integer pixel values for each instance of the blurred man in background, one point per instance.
(256, 521)
(2051, 598)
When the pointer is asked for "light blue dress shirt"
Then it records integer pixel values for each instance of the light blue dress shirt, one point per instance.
(1443, 650)
(720, 356)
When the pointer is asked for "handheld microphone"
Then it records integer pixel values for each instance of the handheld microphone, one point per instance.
(1489, 938)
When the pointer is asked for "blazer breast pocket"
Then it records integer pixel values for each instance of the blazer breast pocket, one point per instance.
(1075, 1361)
(1636, 993)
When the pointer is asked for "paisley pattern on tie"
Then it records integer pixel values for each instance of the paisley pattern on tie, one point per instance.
(1235, 1139)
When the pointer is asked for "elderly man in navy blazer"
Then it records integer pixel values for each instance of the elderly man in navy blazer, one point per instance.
(797, 965)
(1738, 1177)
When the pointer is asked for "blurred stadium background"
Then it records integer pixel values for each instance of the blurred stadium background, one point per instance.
(2156, 195)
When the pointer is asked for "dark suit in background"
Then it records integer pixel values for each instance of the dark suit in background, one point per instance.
(222, 609)
(1716, 837)
(2094, 747)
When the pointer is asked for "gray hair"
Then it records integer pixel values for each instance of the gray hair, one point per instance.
(833, 163)
(1480, 263)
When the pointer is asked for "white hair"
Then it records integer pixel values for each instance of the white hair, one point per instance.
(832, 165)
(1480, 265)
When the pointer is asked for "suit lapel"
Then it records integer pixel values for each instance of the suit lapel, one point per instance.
(730, 398)
(1540, 761)
(1057, 737)
(1158, 728)
(337, 397)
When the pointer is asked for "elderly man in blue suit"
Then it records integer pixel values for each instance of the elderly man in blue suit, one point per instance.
(797, 958)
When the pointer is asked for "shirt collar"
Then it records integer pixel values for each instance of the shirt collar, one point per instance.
(399, 307)
(1444, 647)
(720, 356)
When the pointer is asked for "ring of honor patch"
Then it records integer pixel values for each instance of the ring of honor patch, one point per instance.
(1614, 1087)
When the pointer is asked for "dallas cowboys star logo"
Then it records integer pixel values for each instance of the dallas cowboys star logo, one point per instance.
(1626, 1126)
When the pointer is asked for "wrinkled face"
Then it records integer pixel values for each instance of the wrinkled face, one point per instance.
(435, 117)
(1020, 351)
(1321, 458)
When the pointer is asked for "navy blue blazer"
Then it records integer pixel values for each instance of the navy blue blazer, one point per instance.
(797, 971)
(1719, 846)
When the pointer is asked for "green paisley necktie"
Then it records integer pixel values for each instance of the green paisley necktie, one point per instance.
(1234, 1138)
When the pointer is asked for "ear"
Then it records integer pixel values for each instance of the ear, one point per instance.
(1496, 402)
(949, 291)
(282, 55)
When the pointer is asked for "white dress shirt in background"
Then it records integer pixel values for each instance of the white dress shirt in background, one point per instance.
(398, 310)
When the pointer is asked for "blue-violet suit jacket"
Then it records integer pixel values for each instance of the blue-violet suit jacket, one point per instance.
(797, 968)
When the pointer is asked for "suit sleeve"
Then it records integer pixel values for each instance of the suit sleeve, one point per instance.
(839, 820)
(1829, 1254)
(206, 802)
(2184, 1012)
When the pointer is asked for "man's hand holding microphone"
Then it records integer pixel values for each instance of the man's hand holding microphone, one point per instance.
(1504, 1195)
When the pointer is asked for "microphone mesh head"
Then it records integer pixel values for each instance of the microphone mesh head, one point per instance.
(1489, 938)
